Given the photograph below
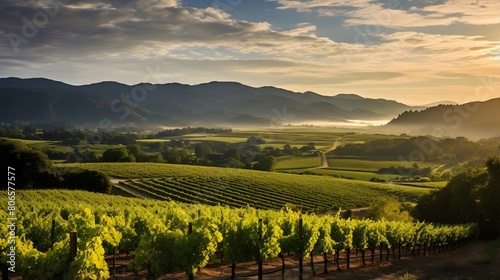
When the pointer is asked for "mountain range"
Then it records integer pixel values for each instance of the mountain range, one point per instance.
(474, 120)
(231, 104)
(43, 100)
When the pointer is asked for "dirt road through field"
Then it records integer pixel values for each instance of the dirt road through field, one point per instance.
(324, 161)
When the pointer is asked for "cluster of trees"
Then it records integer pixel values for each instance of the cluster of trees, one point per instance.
(208, 154)
(244, 155)
(414, 170)
(247, 155)
(11, 131)
(176, 151)
(390, 209)
(88, 180)
(427, 148)
(135, 153)
(471, 196)
(34, 170)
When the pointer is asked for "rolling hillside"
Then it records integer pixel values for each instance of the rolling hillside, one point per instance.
(239, 187)
(475, 120)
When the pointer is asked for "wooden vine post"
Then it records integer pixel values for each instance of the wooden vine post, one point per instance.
(73, 236)
(190, 230)
(260, 245)
(301, 269)
(52, 233)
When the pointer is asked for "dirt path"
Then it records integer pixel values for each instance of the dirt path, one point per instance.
(357, 212)
(324, 161)
(116, 183)
(448, 265)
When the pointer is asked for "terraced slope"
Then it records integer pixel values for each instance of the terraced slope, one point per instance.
(239, 188)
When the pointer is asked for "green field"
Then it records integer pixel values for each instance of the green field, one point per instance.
(97, 149)
(297, 162)
(51, 147)
(276, 138)
(357, 164)
(354, 175)
(55, 149)
(430, 185)
(231, 140)
(153, 140)
(239, 187)
(27, 141)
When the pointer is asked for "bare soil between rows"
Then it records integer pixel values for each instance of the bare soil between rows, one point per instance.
(454, 264)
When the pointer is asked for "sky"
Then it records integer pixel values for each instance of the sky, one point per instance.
(413, 51)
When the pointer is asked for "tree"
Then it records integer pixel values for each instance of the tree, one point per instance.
(231, 162)
(254, 141)
(88, 180)
(135, 150)
(470, 196)
(11, 131)
(32, 168)
(123, 139)
(154, 145)
(277, 153)
(488, 198)
(288, 150)
(234, 153)
(156, 158)
(454, 203)
(202, 150)
(117, 155)
(29, 131)
(176, 156)
(389, 209)
(141, 156)
(310, 147)
(265, 164)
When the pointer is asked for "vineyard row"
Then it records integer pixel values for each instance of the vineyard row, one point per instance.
(166, 237)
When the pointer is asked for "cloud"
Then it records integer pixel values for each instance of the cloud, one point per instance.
(85, 27)
(478, 12)
(119, 39)
(302, 29)
(141, 30)
(398, 14)
(310, 5)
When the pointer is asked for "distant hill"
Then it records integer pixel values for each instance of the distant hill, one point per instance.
(447, 102)
(43, 100)
(475, 120)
